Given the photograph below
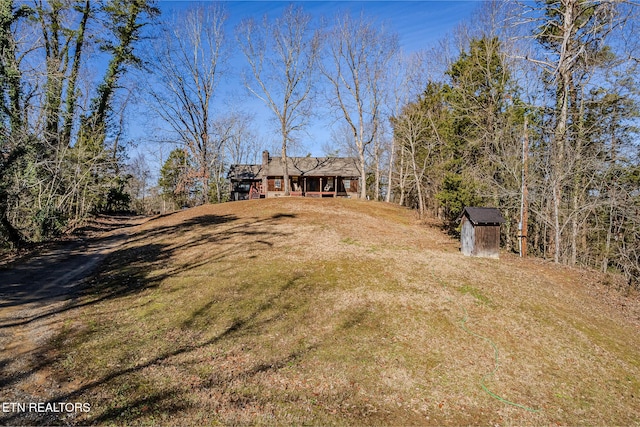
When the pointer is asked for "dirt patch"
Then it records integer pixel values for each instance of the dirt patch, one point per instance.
(39, 287)
(93, 228)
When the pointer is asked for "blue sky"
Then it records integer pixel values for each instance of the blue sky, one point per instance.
(419, 25)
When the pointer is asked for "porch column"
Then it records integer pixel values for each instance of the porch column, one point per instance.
(335, 186)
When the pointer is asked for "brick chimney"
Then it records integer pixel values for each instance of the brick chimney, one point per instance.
(265, 159)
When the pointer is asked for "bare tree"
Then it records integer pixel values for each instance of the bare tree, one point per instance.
(359, 52)
(282, 56)
(417, 131)
(378, 149)
(572, 34)
(411, 131)
(138, 183)
(407, 81)
(242, 145)
(59, 167)
(190, 58)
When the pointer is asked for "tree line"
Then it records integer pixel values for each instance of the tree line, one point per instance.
(536, 114)
(293, 64)
(530, 107)
(60, 125)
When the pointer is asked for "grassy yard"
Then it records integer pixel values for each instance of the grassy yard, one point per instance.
(341, 312)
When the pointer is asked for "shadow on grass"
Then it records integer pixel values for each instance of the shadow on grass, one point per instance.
(170, 399)
(164, 401)
(102, 223)
(128, 271)
(61, 273)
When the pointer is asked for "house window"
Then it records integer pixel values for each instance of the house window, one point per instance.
(243, 186)
(277, 183)
(347, 184)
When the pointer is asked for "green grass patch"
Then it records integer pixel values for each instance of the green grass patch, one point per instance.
(350, 241)
(476, 293)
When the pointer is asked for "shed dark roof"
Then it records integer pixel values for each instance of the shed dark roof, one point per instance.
(483, 216)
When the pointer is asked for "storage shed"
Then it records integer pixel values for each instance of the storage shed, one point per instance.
(480, 233)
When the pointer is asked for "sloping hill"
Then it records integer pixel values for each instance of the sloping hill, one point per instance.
(294, 311)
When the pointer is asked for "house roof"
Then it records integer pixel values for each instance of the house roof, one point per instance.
(298, 166)
(314, 166)
(483, 216)
(245, 172)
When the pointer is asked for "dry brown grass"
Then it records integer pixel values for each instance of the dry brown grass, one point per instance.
(319, 312)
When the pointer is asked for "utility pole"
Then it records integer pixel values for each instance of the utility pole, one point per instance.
(524, 202)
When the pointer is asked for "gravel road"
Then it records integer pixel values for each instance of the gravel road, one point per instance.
(34, 292)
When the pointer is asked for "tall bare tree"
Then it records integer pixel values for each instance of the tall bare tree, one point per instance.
(243, 145)
(573, 35)
(190, 58)
(358, 53)
(407, 81)
(282, 57)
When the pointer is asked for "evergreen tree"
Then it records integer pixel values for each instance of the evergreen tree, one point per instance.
(174, 179)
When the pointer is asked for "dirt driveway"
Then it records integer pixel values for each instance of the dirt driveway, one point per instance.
(34, 292)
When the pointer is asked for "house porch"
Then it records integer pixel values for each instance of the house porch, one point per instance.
(313, 186)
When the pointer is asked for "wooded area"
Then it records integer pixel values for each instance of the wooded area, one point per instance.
(60, 150)
(435, 130)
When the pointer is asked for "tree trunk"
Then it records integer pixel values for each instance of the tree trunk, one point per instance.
(72, 96)
(418, 186)
(363, 174)
(12, 234)
(387, 197)
(285, 163)
(607, 242)
(556, 223)
(402, 180)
